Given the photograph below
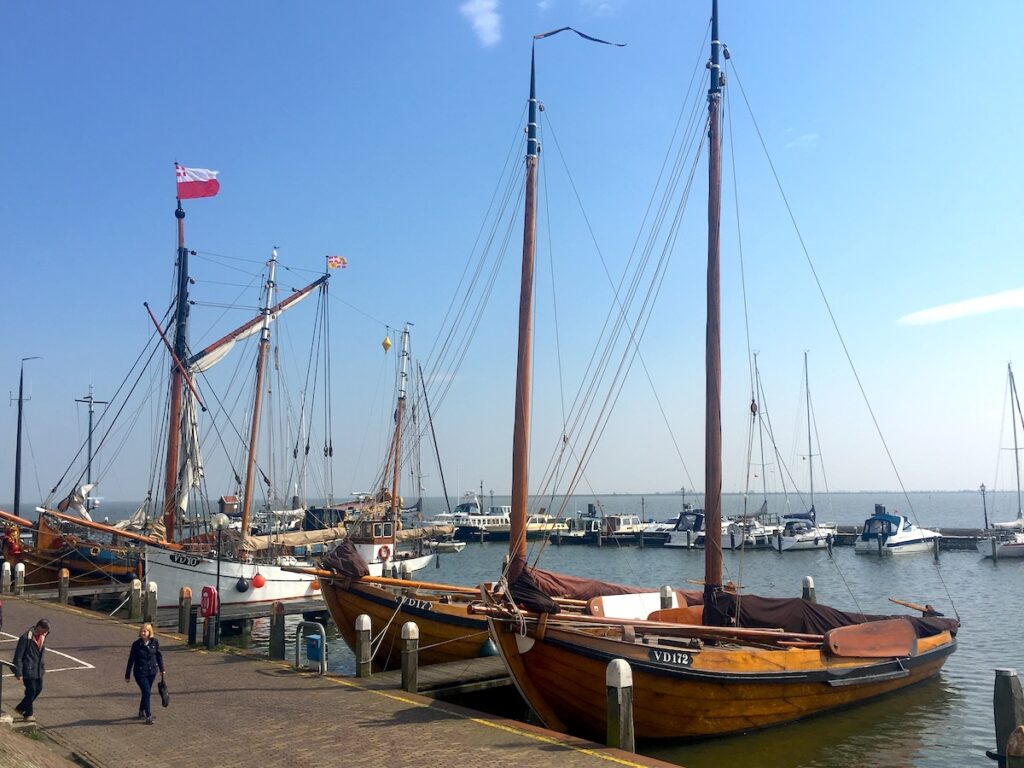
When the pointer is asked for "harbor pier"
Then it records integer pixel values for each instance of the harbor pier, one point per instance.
(234, 709)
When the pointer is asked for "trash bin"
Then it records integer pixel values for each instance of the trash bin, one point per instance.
(313, 652)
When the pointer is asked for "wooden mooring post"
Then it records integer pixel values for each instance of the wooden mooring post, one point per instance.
(277, 649)
(666, 597)
(135, 601)
(63, 584)
(1015, 748)
(184, 608)
(1007, 709)
(19, 579)
(619, 679)
(363, 637)
(410, 656)
(808, 590)
(149, 604)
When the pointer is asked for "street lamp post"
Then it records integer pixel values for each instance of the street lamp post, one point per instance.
(219, 522)
(984, 505)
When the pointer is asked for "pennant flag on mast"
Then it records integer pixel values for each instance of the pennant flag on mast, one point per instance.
(196, 182)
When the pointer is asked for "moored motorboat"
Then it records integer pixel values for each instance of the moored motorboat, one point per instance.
(887, 533)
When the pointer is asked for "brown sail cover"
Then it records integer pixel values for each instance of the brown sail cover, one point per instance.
(346, 560)
(534, 588)
(797, 615)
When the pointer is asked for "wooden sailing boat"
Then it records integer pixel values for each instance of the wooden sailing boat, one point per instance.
(1000, 546)
(722, 663)
(449, 630)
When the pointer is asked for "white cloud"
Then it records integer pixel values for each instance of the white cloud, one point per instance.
(543, 5)
(486, 21)
(968, 308)
(803, 140)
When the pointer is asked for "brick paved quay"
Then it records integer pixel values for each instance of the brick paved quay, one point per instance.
(236, 710)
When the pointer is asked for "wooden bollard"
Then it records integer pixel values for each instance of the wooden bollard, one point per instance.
(1015, 748)
(184, 608)
(1007, 707)
(19, 578)
(277, 630)
(410, 655)
(135, 601)
(363, 638)
(619, 679)
(666, 597)
(808, 590)
(63, 584)
(935, 548)
(149, 604)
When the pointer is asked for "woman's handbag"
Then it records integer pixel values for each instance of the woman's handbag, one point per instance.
(165, 697)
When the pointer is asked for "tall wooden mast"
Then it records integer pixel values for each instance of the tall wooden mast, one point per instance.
(396, 452)
(713, 349)
(261, 365)
(173, 463)
(17, 447)
(521, 430)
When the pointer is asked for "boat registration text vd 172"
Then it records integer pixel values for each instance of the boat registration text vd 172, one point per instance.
(674, 658)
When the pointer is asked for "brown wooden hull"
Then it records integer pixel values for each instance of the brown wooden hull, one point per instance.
(712, 691)
(447, 631)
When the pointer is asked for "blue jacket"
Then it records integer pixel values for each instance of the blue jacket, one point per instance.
(28, 657)
(145, 657)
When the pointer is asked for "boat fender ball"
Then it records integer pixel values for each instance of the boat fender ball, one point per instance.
(488, 649)
(258, 581)
(242, 585)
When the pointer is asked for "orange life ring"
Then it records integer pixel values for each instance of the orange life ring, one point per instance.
(384, 552)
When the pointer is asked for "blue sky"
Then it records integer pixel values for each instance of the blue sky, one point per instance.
(378, 131)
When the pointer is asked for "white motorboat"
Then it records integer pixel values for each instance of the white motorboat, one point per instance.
(893, 534)
(801, 531)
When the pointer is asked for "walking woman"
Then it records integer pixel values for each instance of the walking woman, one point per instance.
(30, 666)
(145, 659)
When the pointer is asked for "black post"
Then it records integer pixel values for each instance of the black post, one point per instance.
(193, 623)
(17, 447)
(984, 505)
(216, 629)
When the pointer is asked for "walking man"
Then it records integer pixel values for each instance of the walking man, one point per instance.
(29, 666)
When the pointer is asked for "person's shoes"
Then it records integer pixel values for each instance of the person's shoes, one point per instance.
(149, 721)
(141, 714)
(30, 718)
(19, 711)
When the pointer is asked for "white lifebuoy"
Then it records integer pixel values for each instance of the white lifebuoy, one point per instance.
(384, 552)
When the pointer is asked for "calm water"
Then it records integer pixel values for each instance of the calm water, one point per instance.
(946, 723)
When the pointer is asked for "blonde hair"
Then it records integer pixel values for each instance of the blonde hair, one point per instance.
(146, 628)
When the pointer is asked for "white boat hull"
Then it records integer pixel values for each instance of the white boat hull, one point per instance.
(1013, 548)
(173, 570)
(894, 548)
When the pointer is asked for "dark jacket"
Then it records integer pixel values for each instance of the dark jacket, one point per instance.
(28, 657)
(145, 657)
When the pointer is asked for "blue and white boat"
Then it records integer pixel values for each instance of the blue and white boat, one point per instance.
(892, 534)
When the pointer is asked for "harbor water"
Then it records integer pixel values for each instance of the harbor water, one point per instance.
(944, 723)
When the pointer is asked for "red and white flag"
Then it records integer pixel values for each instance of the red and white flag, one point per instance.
(196, 182)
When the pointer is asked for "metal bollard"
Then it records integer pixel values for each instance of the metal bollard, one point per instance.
(149, 604)
(1007, 707)
(193, 624)
(5, 577)
(410, 655)
(19, 578)
(135, 601)
(63, 584)
(210, 632)
(363, 646)
(808, 590)
(277, 630)
(619, 679)
(184, 608)
(667, 594)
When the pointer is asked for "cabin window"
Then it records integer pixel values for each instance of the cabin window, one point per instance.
(388, 529)
(378, 530)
